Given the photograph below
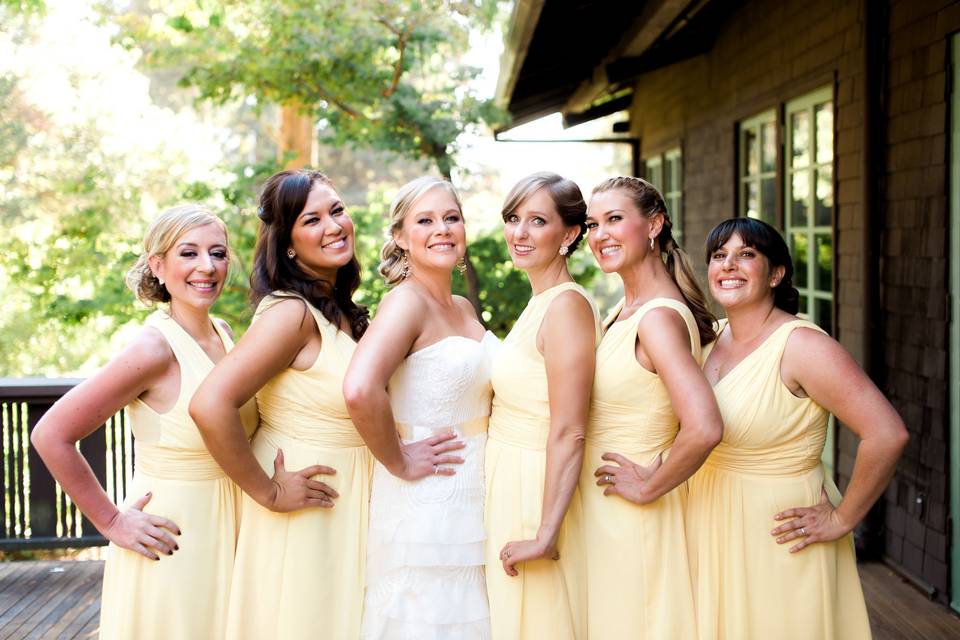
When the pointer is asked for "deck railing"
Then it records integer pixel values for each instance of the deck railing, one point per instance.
(34, 512)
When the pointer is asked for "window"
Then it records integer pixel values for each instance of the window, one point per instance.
(808, 202)
(758, 167)
(665, 172)
(805, 215)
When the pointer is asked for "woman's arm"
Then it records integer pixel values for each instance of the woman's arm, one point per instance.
(144, 364)
(270, 346)
(816, 365)
(664, 338)
(383, 347)
(569, 339)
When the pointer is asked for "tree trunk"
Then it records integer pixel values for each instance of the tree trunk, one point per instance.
(296, 136)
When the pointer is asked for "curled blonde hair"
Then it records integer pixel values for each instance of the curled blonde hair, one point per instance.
(160, 238)
(391, 255)
(649, 202)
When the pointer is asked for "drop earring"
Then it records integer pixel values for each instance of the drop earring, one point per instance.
(404, 266)
(651, 244)
(462, 266)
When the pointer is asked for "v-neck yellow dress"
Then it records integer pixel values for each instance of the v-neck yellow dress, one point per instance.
(183, 596)
(746, 585)
(547, 599)
(301, 574)
(638, 572)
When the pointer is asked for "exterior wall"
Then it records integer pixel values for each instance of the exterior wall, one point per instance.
(768, 53)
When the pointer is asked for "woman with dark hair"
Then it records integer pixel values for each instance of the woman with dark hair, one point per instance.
(652, 415)
(299, 568)
(542, 376)
(770, 543)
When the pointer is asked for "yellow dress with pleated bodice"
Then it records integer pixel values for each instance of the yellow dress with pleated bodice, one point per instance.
(547, 599)
(638, 572)
(748, 587)
(301, 574)
(183, 596)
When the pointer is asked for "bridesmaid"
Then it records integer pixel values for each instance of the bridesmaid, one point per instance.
(542, 377)
(652, 414)
(298, 572)
(184, 595)
(770, 539)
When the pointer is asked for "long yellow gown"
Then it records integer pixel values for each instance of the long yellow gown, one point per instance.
(301, 574)
(638, 573)
(183, 596)
(747, 586)
(546, 599)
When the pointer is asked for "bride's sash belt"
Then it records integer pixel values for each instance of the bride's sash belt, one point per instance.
(413, 432)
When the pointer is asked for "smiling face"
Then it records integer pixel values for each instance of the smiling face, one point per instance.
(194, 269)
(535, 232)
(432, 232)
(740, 275)
(617, 232)
(322, 235)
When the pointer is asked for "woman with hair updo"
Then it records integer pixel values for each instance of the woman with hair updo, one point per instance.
(653, 420)
(771, 549)
(299, 563)
(542, 377)
(171, 551)
(418, 389)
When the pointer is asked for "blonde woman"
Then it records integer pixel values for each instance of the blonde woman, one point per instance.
(418, 380)
(299, 567)
(653, 420)
(170, 560)
(542, 377)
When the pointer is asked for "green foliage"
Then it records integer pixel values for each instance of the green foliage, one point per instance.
(374, 73)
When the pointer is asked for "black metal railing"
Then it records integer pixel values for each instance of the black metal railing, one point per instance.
(34, 512)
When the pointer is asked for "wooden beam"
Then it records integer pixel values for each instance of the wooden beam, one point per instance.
(523, 23)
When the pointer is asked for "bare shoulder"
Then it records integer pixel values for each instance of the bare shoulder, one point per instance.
(406, 301)
(466, 307)
(570, 307)
(150, 348)
(288, 314)
(662, 319)
(808, 345)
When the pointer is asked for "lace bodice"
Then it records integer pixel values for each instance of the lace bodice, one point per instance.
(444, 384)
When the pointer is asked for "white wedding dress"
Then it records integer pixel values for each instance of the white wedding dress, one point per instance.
(425, 549)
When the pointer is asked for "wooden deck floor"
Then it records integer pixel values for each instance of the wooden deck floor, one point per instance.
(51, 599)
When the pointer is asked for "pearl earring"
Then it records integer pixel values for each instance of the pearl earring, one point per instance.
(564, 251)
(291, 254)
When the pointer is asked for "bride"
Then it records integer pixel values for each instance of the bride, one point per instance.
(422, 371)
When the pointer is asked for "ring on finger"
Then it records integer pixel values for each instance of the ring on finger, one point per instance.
(608, 478)
(803, 531)
(436, 469)
(506, 555)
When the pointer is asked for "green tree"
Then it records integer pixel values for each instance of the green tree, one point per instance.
(374, 73)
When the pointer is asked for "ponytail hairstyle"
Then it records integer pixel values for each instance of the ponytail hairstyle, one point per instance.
(768, 241)
(649, 203)
(391, 255)
(566, 197)
(282, 200)
(160, 238)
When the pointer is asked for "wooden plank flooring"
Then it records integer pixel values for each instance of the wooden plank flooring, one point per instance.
(61, 599)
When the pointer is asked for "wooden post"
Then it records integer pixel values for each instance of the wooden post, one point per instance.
(297, 135)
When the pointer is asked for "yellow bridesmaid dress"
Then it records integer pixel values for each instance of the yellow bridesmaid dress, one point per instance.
(300, 574)
(638, 573)
(183, 596)
(746, 585)
(546, 600)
